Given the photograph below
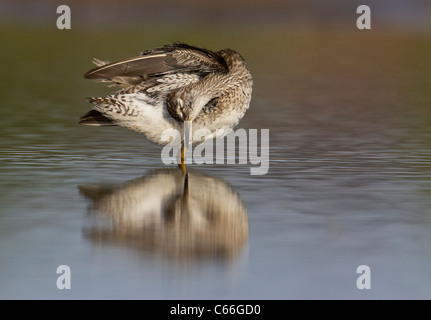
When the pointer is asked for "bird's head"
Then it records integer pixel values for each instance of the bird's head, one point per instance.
(186, 105)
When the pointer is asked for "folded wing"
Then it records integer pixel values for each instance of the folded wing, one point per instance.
(170, 59)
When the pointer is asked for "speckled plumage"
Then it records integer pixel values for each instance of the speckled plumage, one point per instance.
(166, 86)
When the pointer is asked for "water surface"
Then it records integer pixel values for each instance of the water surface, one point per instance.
(348, 183)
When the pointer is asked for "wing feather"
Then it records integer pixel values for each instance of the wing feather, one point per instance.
(178, 57)
(136, 66)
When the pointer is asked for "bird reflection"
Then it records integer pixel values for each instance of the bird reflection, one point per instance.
(184, 216)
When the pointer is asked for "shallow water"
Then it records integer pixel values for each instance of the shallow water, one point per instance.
(348, 182)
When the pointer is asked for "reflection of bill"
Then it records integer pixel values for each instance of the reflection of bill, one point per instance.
(183, 216)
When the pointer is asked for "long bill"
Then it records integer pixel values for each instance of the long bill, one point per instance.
(187, 140)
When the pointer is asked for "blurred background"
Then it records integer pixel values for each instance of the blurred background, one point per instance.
(241, 13)
(349, 177)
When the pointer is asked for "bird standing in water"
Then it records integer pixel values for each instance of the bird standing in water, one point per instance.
(169, 88)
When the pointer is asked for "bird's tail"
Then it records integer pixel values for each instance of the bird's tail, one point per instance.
(96, 118)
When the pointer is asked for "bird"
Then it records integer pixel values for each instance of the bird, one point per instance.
(172, 88)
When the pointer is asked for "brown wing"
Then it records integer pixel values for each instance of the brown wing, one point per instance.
(178, 57)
